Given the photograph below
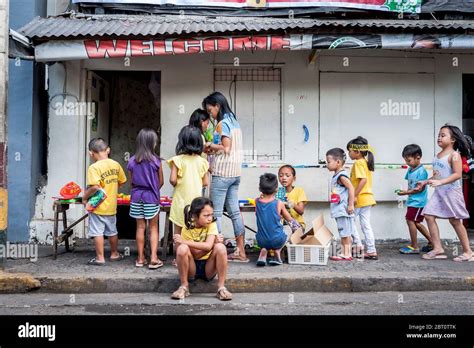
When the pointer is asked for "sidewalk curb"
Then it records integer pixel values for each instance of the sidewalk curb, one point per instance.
(254, 284)
(17, 283)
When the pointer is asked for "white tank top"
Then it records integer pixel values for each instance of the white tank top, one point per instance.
(442, 169)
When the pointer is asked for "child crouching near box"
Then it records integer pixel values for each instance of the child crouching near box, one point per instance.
(342, 202)
(270, 211)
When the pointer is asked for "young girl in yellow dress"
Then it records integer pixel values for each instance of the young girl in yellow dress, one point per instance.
(188, 173)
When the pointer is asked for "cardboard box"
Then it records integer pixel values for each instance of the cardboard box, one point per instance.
(319, 234)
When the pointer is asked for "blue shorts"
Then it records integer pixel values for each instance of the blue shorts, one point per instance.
(272, 244)
(345, 226)
(102, 225)
(201, 270)
(141, 210)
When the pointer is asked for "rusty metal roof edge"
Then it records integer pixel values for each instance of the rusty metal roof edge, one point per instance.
(83, 26)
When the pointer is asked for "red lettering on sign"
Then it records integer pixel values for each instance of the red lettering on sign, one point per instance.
(106, 48)
(250, 43)
(140, 48)
(159, 48)
(178, 47)
(193, 46)
(280, 43)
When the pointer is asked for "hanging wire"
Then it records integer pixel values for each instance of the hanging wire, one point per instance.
(64, 94)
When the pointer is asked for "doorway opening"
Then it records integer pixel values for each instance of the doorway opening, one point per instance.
(124, 102)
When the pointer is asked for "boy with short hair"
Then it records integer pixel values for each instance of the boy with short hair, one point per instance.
(106, 174)
(342, 202)
(417, 198)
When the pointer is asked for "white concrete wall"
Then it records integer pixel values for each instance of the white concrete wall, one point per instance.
(187, 79)
(66, 152)
(56, 7)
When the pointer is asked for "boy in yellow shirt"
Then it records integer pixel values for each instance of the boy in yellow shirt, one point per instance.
(108, 175)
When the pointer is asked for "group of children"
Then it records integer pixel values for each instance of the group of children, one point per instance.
(200, 252)
(352, 196)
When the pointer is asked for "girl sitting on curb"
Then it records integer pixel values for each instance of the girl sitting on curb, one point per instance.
(200, 253)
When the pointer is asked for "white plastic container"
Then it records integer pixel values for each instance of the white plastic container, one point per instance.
(304, 254)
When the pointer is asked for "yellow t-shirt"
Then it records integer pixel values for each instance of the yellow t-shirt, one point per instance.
(200, 235)
(191, 170)
(108, 174)
(296, 196)
(360, 170)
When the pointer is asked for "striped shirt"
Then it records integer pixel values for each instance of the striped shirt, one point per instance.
(229, 165)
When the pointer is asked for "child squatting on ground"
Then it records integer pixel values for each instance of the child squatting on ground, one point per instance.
(417, 199)
(200, 253)
(108, 175)
(269, 212)
(342, 202)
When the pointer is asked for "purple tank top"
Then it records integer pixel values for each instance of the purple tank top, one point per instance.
(144, 180)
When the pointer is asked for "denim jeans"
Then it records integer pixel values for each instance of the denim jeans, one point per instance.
(225, 192)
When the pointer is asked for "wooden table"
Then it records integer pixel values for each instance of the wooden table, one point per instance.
(62, 206)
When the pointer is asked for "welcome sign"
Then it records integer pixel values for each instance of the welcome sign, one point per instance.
(58, 50)
(407, 6)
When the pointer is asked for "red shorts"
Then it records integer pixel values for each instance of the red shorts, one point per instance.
(414, 214)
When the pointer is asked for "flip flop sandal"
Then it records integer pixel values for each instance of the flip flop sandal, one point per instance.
(181, 293)
(275, 262)
(340, 258)
(371, 257)
(94, 262)
(223, 294)
(409, 250)
(235, 258)
(464, 258)
(155, 265)
(140, 264)
(119, 258)
(432, 256)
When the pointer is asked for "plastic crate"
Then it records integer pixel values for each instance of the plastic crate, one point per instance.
(308, 254)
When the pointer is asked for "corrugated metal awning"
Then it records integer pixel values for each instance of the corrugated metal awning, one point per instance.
(116, 26)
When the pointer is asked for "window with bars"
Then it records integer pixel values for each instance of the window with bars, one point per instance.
(254, 94)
